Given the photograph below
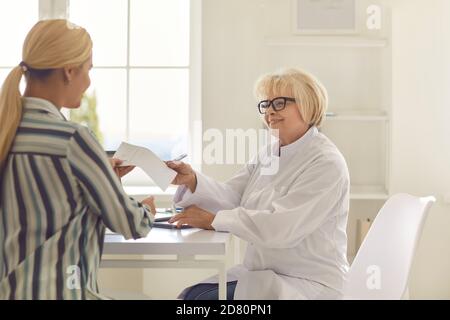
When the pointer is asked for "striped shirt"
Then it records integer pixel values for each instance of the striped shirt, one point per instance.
(58, 192)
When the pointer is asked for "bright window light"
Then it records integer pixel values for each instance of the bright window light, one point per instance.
(141, 84)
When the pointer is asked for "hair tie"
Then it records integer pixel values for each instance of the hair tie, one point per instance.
(24, 66)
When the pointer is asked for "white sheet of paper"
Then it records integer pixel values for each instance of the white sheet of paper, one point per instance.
(145, 159)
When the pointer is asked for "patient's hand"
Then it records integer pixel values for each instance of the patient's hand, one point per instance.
(150, 202)
(120, 171)
(195, 217)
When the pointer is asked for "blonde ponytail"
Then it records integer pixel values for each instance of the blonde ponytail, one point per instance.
(50, 44)
(10, 111)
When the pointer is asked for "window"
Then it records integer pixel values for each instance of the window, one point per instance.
(141, 74)
(146, 75)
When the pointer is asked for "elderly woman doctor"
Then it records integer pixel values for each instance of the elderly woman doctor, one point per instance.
(295, 220)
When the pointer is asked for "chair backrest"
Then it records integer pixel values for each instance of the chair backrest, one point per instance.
(382, 265)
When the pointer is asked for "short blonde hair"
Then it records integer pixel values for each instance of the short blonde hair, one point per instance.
(310, 95)
(50, 44)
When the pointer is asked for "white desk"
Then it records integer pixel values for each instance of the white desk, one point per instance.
(184, 244)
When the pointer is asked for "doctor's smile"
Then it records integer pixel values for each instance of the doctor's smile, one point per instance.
(273, 122)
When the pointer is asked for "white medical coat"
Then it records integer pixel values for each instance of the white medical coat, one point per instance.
(294, 221)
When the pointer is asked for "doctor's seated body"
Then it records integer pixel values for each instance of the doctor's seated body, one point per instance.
(293, 220)
(58, 189)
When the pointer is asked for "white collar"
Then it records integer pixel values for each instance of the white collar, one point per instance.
(294, 147)
(32, 103)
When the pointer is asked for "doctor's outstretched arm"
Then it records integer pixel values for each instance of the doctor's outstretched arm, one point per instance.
(205, 192)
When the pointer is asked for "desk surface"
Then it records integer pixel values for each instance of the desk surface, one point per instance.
(170, 241)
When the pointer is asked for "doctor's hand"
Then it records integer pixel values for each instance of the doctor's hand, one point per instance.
(120, 171)
(185, 174)
(194, 217)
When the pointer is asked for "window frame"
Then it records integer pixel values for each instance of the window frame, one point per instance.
(52, 9)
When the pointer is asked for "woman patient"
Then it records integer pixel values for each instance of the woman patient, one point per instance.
(58, 189)
(294, 220)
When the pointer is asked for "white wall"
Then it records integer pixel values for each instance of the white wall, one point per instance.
(421, 131)
(232, 59)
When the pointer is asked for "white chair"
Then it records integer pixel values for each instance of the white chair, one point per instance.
(382, 265)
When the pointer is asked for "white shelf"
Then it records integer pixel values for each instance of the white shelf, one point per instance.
(327, 41)
(368, 193)
(357, 115)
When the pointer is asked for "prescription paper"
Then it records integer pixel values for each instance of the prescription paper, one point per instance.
(145, 159)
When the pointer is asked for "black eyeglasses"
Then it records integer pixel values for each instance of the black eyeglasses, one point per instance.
(278, 104)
